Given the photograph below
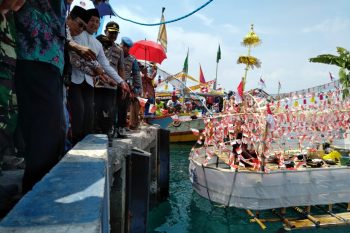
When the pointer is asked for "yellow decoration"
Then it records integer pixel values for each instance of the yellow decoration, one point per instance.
(334, 155)
(249, 61)
(312, 99)
(251, 39)
(296, 104)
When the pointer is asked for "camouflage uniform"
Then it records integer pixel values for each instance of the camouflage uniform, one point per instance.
(8, 103)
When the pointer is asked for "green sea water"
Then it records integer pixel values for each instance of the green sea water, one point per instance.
(186, 212)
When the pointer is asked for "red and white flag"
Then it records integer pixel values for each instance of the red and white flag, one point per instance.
(152, 108)
(142, 101)
(195, 131)
(239, 93)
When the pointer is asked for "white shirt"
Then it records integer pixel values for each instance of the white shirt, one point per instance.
(91, 42)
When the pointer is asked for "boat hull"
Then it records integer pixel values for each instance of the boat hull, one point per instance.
(180, 131)
(277, 189)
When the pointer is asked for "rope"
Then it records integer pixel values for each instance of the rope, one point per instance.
(165, 22)
(233, 183)
(206, 184)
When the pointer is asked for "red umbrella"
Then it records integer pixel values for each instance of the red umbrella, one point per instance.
(148, 50)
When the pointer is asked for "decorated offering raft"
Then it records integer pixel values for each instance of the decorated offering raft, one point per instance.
(265, 154)
(266, 159)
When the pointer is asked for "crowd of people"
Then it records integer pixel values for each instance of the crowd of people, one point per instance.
(59, 82)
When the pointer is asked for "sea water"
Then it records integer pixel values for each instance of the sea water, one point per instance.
(187, 212)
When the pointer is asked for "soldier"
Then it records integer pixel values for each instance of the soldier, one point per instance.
(105, 98)
(133, 78)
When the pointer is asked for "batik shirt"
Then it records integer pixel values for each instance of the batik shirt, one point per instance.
(8, 103)
(41, 31)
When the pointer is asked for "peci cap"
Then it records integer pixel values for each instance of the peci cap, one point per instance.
(127, 41)
(80, 12)
(112, 27)
(93, 12)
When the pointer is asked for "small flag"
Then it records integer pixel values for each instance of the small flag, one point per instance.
(142, 101)
(152, 108)
(195, 131)
(201, 75)
(262, 83)
(239, 93)
(166, 86)
(175, 117)
(185, 68)
(331, 76)
(162, 35)
(240, 88)
(218, 55)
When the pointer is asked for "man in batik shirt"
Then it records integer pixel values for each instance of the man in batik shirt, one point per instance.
(40, 28)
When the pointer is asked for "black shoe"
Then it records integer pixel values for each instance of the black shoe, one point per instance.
(121, 136)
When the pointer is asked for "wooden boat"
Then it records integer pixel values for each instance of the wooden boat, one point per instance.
(180, 129)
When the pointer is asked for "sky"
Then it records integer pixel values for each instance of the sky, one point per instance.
(292, 31)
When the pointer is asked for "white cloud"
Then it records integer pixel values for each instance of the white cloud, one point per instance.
(330, 26)
(229, 28)
(205, 20)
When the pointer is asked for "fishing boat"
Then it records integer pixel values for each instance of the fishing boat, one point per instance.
(267, 155)
(183, 127)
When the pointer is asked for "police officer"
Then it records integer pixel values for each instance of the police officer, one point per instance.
(133, 78)
(105, 98)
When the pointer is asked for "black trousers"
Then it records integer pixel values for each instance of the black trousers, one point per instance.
(39, 93)
(104, 109)
(81, 109)
(122, 109)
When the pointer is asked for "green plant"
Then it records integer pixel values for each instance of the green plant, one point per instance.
(343, 61)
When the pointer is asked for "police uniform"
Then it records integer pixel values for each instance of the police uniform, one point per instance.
(105, 99)
(133, 78)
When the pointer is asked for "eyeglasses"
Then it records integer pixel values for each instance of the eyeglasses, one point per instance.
(80, 24)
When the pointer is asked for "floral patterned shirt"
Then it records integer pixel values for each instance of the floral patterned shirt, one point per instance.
(40, 26)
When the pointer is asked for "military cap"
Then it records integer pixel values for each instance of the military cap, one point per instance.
(112, 27)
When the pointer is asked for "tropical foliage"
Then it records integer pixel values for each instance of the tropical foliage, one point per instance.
(343, 61)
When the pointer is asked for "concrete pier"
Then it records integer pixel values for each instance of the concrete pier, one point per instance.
(93, 190)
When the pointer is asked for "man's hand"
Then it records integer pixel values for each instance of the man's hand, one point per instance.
(13, 5)
(125, 87)
(85, 52)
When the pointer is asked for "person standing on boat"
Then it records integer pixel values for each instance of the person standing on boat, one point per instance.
(160, 107)
(38, 80)
(81, 91)
(147, 85)
(133, 78)
(105, 98)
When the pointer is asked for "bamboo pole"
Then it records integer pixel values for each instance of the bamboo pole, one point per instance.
(307, 215)
(333, 215)
(283, 219)
(262, 225)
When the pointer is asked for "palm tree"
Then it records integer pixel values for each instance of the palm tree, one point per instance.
(343, 61)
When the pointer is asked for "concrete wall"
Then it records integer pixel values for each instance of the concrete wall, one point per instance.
(85, 192)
